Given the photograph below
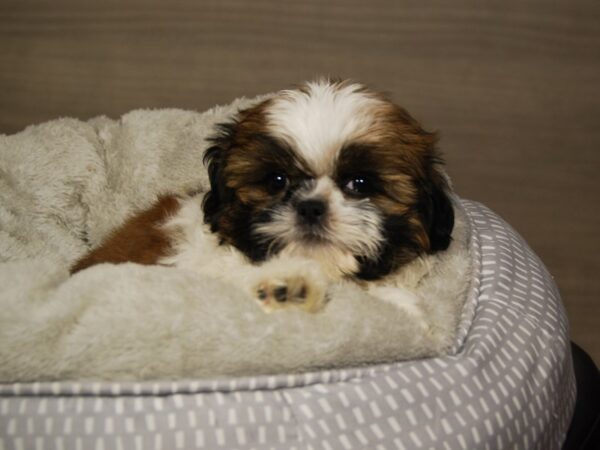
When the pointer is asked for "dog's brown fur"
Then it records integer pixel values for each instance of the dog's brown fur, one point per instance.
(140, 239)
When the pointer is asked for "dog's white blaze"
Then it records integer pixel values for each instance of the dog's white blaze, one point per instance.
(318, 123)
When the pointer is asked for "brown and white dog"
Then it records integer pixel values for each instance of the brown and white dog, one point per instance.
(326, 182)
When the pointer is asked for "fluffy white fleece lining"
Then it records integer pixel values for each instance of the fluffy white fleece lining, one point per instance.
(68, 182)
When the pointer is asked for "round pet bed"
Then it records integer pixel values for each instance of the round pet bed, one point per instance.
(506, 380)
(508, 383)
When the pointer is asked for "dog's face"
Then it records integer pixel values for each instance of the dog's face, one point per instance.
(330, 171)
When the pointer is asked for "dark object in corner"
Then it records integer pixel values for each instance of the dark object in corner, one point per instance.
(584, 431)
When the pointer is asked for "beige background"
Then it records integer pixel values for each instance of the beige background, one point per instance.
(513, 87)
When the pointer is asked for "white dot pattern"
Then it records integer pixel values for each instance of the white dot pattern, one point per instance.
(508, 383)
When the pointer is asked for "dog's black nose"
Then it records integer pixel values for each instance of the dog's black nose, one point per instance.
(311, 211)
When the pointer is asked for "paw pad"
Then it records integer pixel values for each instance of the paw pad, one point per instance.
(276, 294)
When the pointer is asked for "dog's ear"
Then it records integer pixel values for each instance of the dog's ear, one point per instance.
(214, 159)
(437, 211)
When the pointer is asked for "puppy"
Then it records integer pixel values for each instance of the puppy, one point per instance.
(325, 182)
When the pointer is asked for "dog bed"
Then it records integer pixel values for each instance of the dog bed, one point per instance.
(505, 380)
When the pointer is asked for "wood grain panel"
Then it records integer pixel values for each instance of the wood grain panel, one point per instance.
(512, 86)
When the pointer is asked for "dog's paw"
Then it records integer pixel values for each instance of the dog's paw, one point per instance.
(300, 287)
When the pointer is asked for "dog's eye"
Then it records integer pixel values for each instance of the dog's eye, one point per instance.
(358, 185)
(276, 182)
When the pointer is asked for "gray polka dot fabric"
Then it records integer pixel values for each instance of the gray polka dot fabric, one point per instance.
(508, 384)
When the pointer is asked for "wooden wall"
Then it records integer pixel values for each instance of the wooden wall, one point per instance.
(512, 86)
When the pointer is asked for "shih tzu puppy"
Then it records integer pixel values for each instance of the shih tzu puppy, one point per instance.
(325, 182)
